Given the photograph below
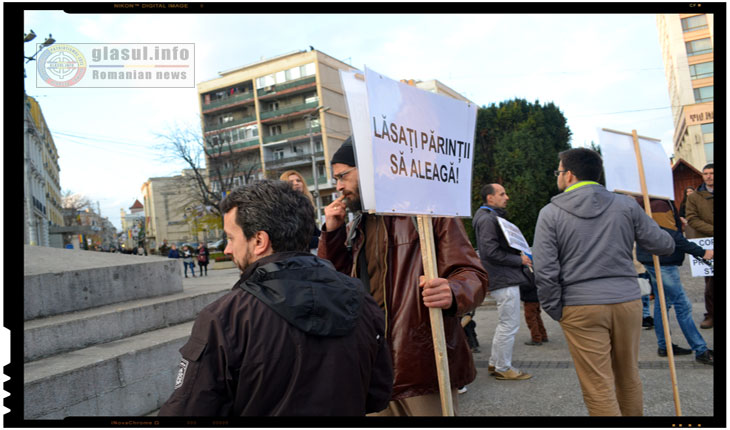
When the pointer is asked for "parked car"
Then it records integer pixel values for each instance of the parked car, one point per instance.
(218, 245)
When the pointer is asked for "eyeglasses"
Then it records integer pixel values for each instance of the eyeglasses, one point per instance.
(341, 176)
(558, 172)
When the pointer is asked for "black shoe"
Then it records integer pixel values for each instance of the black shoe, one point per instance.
(533, 343)
(676, 349)
(648, 323)
(707, 357)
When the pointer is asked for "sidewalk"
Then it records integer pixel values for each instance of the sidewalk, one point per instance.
(554, 389)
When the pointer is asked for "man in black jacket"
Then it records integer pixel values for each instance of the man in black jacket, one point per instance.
(294, 337)
(662, 212)
(504, 265)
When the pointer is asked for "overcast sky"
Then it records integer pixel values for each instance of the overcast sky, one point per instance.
(602, 71)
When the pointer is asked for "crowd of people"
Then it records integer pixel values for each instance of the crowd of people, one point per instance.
(347, 331)
(190, 256)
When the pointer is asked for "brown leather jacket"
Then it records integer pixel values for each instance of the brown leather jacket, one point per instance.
(394, 266)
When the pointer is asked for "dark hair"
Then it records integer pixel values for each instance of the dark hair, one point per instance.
(689, 188)
(584, 163)
(487, 190)
(709, 166)
(285, 214)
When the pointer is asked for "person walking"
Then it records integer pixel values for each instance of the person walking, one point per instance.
(294, 337)
(203, 258)
(504, 265)
(583, 253)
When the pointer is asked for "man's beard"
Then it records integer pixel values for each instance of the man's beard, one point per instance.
(352, 201)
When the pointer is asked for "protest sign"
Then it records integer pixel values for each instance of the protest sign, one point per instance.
(621, 168)
(514, 236)
(699, 267)
(417, 157)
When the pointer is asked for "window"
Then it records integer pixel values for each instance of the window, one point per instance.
(694, 23)
(704, 94)
(273, 106)
(293, 73)
(265, 81)
(700, 46)
(701, 70)
(307, 69)
(274, 130)
(278, 154)
(280, 77)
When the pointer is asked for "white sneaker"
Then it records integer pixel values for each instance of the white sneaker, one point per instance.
(462, 390)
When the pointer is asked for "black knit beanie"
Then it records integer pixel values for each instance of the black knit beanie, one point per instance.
(345, 155)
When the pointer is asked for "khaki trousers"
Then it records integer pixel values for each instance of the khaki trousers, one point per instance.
(419, 406)
(604, 343)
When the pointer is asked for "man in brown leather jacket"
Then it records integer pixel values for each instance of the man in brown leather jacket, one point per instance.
(384, 252)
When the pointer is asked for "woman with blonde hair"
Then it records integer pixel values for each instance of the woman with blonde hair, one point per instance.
(297, 182)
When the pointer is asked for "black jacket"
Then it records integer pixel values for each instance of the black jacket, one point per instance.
(669, 223)
(294, 337)
(502, 262)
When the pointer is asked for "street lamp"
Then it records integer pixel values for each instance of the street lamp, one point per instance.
(314, 160)
(48, 42)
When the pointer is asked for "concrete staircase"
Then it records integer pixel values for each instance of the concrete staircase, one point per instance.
(102, 331)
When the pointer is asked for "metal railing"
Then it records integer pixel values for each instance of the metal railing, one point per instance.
(227, 101)
(288, 110)
(286, 85)
(233, 123)
(295, 133)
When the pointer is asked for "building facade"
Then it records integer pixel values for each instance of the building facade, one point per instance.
(687, 42)
(133, 223)
(41, 179)
(274, 115)
(171, 215)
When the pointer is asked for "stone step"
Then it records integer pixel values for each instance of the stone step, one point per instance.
(133, 376)
(49, 336)
(57, 281)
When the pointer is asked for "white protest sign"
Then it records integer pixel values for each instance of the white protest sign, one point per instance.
(356, 98)
(699, 267)
(514, 236)
(422, 147)
(621, 168)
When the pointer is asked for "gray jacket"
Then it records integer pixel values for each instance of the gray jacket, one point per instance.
(583, 247)
(502, 262)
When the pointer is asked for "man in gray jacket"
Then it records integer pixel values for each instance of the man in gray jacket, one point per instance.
(504, 265)
(586, 280)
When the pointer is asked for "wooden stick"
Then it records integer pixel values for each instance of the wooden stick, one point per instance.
(428, 253)
(660, 286)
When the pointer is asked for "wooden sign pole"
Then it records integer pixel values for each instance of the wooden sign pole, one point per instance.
(428, 253)
(660, 286)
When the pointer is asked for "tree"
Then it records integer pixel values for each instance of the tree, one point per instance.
(517, 145)
(225, 164)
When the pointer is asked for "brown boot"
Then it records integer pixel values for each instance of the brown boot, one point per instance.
(707, 323)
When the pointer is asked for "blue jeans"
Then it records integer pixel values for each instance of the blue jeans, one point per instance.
(674, 294)
(645, 312)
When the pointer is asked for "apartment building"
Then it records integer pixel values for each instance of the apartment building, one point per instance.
(687, 42)
(264, 118)
(41, 179)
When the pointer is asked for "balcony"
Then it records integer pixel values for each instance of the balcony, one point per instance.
(285, 86)
(216, 127)
(288, 110)
(304, 132)
(293, 160)
(251, 141)
(231, 100)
